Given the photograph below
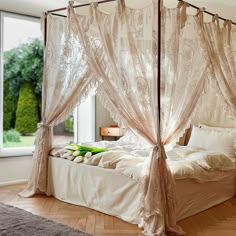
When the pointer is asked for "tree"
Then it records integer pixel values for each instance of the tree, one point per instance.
(21, 65)
(31, 65)
(12, 71)
(11, 86)
(26, 113)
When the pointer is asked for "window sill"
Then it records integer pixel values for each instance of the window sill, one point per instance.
(3, 156)
(16, 152)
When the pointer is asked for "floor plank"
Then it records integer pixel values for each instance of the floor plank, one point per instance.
(217, 221)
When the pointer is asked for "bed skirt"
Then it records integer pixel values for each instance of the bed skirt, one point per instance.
(113, 193)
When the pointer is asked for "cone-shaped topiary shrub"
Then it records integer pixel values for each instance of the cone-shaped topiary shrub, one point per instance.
(26, 113)
(22, 64)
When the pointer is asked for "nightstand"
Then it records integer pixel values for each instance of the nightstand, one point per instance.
(115, 132)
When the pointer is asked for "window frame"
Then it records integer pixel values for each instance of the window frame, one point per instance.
(17, 151)
(28, 151)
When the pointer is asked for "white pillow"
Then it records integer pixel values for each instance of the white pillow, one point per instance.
(217, 128)
(131, 138)
(213, 140)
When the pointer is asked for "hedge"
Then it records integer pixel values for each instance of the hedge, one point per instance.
(27, 112)
(23, 64)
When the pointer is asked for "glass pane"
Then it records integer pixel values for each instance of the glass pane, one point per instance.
(86, 120)
(64, 132)
(22, 80)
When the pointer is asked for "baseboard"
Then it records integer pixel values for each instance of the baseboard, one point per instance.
(22, 181)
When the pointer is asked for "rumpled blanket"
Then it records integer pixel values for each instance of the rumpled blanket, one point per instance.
(184, 162)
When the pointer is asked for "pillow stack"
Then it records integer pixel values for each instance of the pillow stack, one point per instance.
(214, 139)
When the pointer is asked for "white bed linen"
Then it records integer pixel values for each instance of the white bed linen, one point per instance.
(113, 193)
(184, 161)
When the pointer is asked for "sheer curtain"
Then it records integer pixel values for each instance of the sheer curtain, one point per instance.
(221, 48)
(122, 52)
(67, 80)
(184, 71)
(183, 78)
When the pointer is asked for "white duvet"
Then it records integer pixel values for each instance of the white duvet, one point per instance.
(184, 161)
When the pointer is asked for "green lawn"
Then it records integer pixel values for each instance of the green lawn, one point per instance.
(26, 141)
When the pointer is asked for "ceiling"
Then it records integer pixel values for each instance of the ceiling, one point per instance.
(224, 8)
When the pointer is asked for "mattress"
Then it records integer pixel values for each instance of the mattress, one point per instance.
(113, 193)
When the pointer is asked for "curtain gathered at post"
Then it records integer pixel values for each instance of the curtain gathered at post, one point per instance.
(122, 52)
(67, 81)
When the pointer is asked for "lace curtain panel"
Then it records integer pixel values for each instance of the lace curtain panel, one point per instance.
(221, 47)
(184, 71)
(121, 48)
(67, 81)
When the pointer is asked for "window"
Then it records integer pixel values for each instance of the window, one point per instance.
(85, 125)
(20, 82)
(21, 78)
(79, 127)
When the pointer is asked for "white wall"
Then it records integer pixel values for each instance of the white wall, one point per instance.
(14, 169)
(103, 118)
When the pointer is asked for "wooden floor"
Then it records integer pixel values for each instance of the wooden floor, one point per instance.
(217, 221)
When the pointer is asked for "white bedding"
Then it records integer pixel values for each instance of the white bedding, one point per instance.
(203, 179)
(184, 162)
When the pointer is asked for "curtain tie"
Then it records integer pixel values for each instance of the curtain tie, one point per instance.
(228, 26)
(215, 18)
(71, 3)
(92, 11)
(40, 132)
(122, 3)
(95, 4)
(156, 147)
(161, 148)
(42, 125)
(200, 14)
(183, 14)
(180, 4)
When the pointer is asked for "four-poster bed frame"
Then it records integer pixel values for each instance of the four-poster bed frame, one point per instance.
(158, 87)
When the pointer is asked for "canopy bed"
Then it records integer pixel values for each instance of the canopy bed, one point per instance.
(157, 70)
